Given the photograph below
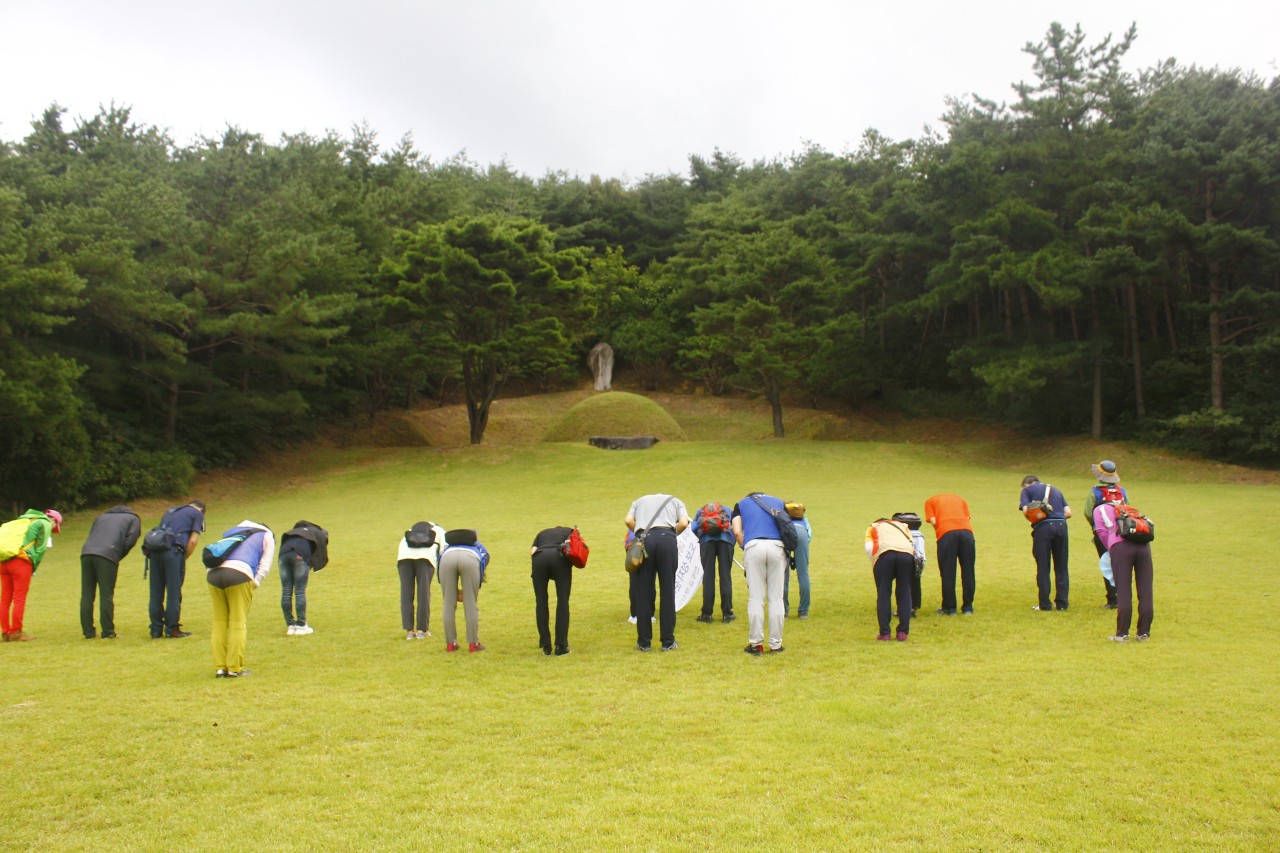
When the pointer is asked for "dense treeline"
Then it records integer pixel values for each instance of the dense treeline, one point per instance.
(1100, 255)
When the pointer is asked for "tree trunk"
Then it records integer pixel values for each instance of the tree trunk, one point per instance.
(1097, 394)
(773, 394)
(1216, 397)
(171, 419)
(1131, 310)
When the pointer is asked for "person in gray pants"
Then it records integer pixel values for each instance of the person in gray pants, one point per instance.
(111, 538)
(416, 563)
(463, 561)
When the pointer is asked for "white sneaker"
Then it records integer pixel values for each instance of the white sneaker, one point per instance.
(409, 635)
(631, 619)
(293, 629)
(302, 630)
(422, 635)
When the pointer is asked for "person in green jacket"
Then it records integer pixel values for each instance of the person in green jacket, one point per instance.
(23, 542)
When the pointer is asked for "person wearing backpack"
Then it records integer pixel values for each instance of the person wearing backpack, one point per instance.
(892, 551)
(657, 520)
(303, 548)
(1106, 490)
(1045, 504)
(416, 562)
(111, 538)
(232, 582)
(549, 564)
(168, 568)
(758, 528)
(714, 529)
(23, 543)
(462, 563)
(1130, 565)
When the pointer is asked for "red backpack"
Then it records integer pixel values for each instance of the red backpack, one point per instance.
(1133, 525)
(575, 550)
(714, 518)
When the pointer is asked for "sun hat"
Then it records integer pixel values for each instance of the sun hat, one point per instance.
(1106, 472)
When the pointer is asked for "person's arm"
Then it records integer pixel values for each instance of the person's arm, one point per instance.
(268, 554)
(193, 541)
(736, 524)
(682, 523)
(630, 522)
(132, 531)
(38, 533)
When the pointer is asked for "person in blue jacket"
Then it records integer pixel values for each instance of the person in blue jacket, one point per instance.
(1048, 541)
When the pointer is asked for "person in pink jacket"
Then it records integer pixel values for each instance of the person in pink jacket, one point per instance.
(1128, 560)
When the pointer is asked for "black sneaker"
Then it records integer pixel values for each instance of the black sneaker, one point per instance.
(641, 648)
(968, 611)
(943, 611)
(546, 650)
(754, 649)
(671, 648)
(702, 617)
(563, 651)
(178, 635)
(1060, 607)
(729, 617)
(777, 650)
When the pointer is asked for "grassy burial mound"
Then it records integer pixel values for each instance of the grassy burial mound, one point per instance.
(615, 413)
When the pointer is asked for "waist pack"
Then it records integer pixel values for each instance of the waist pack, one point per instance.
(1133, 526)
(158, 539)
(636, 552)
(575, 550)
(1038, 511)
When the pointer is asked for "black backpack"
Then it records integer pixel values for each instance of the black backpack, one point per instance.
(421, 535)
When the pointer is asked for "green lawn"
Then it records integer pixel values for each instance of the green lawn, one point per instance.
(1008, 729)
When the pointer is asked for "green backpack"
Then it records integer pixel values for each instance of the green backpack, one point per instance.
(12, 535)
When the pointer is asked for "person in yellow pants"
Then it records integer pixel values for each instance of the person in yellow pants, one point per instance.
(238, 571)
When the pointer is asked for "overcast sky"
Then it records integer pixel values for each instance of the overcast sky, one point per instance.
(619, 89)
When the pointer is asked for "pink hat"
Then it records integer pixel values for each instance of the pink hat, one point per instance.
(56, 518)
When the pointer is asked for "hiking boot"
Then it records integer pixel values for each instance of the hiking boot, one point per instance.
(408, 635)
(671, 648)
(1142, 638)
(20, 637)
(968, 611)
(641, 648)
(702, 617)
(422, 635)
(884, 637)
(476, 647)
(902, 635)
(728, 617)
(944, 611)
(450, 647)
(754, 649)
(178, 634)
(561, 652)
(777, 650)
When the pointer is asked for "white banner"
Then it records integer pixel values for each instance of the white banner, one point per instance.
(689, 569)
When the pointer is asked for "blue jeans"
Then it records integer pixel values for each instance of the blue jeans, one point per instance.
(802, 573)
(168, 570)
(294, 574)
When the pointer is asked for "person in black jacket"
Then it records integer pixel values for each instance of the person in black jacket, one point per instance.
(112, 536)
(550, 564)
(303, 548)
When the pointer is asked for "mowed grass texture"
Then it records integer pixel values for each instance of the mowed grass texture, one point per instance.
(1007, 729)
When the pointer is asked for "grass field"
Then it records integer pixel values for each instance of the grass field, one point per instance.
(1008, 729)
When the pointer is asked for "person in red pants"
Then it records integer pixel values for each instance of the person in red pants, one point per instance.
(30, 534)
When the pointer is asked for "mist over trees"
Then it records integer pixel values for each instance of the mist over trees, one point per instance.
(1100, 255)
